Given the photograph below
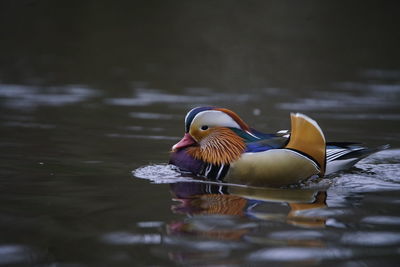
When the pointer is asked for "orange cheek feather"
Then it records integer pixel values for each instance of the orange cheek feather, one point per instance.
(217, 146)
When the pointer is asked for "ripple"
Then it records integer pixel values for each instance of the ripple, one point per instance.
(144, 97)
(381, 74)
(13, 254)
(142, 136)
(349, 96)
(377, 172)
(335, 101)
(388, 220)
(29, 97)
(371, 238)
(385, 156)
(374, 87)
(28, 125)
(219, 222)
(297, 235)
(141, 128)
(300, 254)
(152, 116)
(124, 238)
(155, 224)
(204, 245)
(359, 116)
(382, 177)
(169, 174)
(160, 174)
(331, 212)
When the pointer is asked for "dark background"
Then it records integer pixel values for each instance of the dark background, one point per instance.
(225, 45)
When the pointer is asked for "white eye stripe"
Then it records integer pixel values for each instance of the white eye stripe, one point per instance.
(215, 118)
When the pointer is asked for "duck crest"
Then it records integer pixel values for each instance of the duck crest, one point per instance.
(221, 146)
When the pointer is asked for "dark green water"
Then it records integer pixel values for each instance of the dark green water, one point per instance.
(90, 91)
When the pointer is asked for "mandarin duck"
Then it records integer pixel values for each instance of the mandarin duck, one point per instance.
(219, 145)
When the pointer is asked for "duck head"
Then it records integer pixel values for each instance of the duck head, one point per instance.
(211, 135)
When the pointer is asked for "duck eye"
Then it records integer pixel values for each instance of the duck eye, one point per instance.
(204, 127)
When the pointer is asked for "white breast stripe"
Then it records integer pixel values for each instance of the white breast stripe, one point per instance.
(208, 169)
(220, 171)
(220, 189)
(208, 188)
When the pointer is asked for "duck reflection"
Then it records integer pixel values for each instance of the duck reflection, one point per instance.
(198, 200)
(221, 219)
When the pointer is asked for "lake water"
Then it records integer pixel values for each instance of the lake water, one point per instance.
(93, 96)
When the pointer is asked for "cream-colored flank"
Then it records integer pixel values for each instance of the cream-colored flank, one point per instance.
(279, 167)
(275, 167)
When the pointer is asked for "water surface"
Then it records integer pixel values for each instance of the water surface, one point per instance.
(91, 92)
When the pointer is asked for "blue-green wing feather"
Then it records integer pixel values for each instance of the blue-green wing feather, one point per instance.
(258, 142)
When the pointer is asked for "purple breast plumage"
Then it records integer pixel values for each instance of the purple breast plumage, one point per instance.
(187, 163)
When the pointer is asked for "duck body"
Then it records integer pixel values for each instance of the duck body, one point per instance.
(219, 145)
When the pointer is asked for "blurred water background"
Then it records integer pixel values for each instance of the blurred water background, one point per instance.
(92, 90)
